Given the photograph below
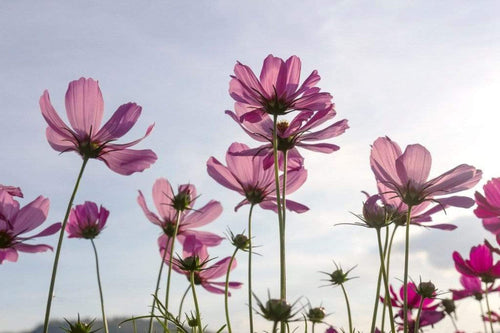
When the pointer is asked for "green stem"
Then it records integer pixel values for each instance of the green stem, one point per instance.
(405, 278)
(250, 309)
(58, 249)
(104, 320)
(182, 302)
(386, 283)
(275, 326)
(226, 291)
(453, 322)
(348, 308)
(417, 323)
(387, 269)
(488, 305)
(482, 315)
(377, 293)
(195, 299)
(170, 261)
(150, 329)
(280, 215)
(312, 327)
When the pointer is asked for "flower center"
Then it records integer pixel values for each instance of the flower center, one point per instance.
(5, 239)
(90, 232)
(254, 195)
(282, 126)
(275, 106)
(89, 149)
(169, 229)
(182, 201)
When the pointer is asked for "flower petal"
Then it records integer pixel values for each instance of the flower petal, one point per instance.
(203, 216)
(84, 106)
(462, 177)
(32, 215)
(383, 161)
(120, 122)
(162, 198)
(128, 161)
(414, 165)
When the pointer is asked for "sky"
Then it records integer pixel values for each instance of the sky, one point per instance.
(419, 72)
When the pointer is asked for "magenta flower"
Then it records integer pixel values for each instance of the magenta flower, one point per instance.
(205, 276)
(405, 174)
(84, 107)
(164, 200)
(15, 221)
(331, 329)
(277, 92)
(297, 133)
(86, 221)
(246, 175)
(413, 299)
(472, 287)
(12, 190)
(488, 206)
(479, 264)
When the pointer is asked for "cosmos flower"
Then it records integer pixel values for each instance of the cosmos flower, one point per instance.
(246, 175)
(488, 206)
(16, 221)
(480, 264)
(84, 108)
(298, 133)
(277, 91)
(12, 190)
(405, 174)
(194, 250)
(472, 287)
(167, 206)
(86, 221)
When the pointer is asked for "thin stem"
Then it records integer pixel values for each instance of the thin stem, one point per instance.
(312, 327)
(104, 320)
(250, 308)
(226, 291)
(275, 326)
(387, 269)
(405, 278)
(150, 329)
(482, 315)
(417, 323)
(386, 283)
(280, 215)
(195, 299)
(182, 302)
(488, 306)
(377, 293)
(170, 261)
(58, 249)
(453, 322)
(348, 308)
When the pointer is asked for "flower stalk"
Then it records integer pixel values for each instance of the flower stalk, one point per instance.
(195, 300)
(104, 320)
(405, 278)
(386, 283)
(226, 291)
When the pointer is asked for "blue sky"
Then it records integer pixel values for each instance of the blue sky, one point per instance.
(419, 72)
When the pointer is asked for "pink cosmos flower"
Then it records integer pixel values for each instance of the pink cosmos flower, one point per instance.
(472, 287)
(277, 92)
(206, 275)
(405, 174)
(163, 198)
(297, 133)
(246, 175)
(84, 107)
(15, 221)
(479, 264)
(86, 221)
(12, 190)
(488, 206)
(331, 329)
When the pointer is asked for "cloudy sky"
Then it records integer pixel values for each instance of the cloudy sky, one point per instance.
(420, 72)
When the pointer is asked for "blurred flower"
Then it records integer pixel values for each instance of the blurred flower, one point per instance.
(12, 190)
(246, 175)
(276, 310)
(195, 252)
(167, 205)
(277, 92)
(79, 326)
(495, 317)
(405, 174)
(316, 315)
(331, 329)
(488, 206)
(480, 264)
(86, 221)
(297, 133)
(338, 276)
(472, 287)
(414, 299)
(84, 107)
(448, 305)
(426, 290)
(15, 221)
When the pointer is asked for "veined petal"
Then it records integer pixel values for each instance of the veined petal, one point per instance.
(481, 259)
(471, 283)
(414, 165)
(492, 224)
(8, 254)
(205, 237)
(492, 192)
(326, 148)
(223, 175)
(120, 122)
(293, 66)
(32, 215)
(218, 269)
(484, 209)
(327, 133)
(51, 116)
(203, 216)
(84, 105)
(295, 179)
(255, 133)
(152, 217)
(248, 80)
(461, 265)
(129, 144)
(128, 161)
(462, 177)
(273, 76)
(50, 230)
(8, 206)
(383, 161)
(308, 83)
(162, 198)
(30, 248)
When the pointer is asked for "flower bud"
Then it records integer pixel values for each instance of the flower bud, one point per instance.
(449, 305)
(277, 310)
(79, 327)
(316, 315)
(426, 289)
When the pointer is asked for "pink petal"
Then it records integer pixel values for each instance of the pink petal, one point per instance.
(273, 76)
(128, 161)
(414, 165)
(84, 106)
(311, 81)
(247, 127)
(120, 122)
(326, 148)
(331, 131)
(205, 237)
(293, 206)
(59, 142)
(204, 215)
(492, 192)
(250, 85)
(492, 224)
(129, 144)
(162, 198)
(295, 179)
(461, 266)
(481, 259)
(12, 190)
(462, 177)
(51, 116)
(52, 229)
(8, 254)
(218, 269)
(293, 66)
(8, 206)
(209, 287)
(222, 175)
(32, 215)
(484, 209)
(383, 161)
(29, 248)
(471, 283)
